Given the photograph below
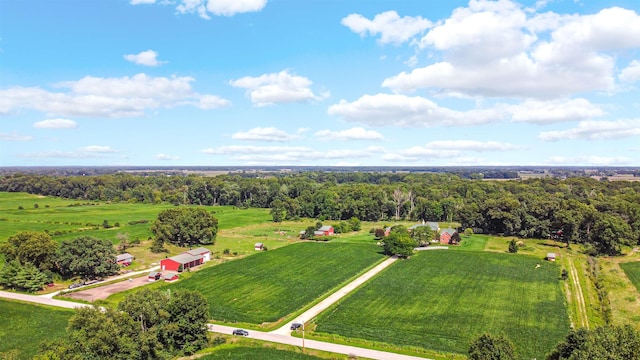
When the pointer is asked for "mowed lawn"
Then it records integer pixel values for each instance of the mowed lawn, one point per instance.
(442, 300)
(632, 270)
(252, 353)
(25, 326)
(265, 287)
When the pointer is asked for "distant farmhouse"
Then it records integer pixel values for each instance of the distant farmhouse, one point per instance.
(124, 259)
(445, 235)
(325, 230)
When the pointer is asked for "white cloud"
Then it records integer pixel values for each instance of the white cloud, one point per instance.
(56, 124)
(287, 154)
(146, 58)
(166, 157)
(406, 111)
(356, 133)
(264, 134)
(274, 88)
(547, 112)
(219, 7)
(497, 49)
(232, 7)
(391, 27)
(14, 137)
(97, 149)
(595, 130)
(108, 97)
(631, 73)
(470, 145)
(138, 2)
(589, 160)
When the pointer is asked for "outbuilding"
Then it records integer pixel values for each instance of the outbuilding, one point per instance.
(551, 256)
(325, 230)
(186, 260)
(124, 258)
(258, 246)
(445, 235)
(154, 275)
(169, 277)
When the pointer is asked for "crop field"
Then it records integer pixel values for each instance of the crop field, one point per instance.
(442, 300)
(251, 353)
(24, 327)
(632, 270)
(266, 287)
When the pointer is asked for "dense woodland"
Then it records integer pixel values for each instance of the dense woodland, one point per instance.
(602, 214)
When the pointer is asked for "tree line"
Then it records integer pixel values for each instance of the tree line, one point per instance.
(602, 214)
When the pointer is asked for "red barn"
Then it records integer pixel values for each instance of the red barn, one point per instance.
(324, 231)
(445, 235)
(186, 260)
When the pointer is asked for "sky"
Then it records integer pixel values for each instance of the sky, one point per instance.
(319, 83)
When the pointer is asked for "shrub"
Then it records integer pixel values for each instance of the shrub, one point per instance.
(513, 246)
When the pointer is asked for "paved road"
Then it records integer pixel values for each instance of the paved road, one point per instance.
(42, 300)
(317, 345)
(331, 299)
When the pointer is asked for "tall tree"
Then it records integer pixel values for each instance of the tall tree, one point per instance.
(31, 247)
(399, 243)
(610, 342)
(87, 257)
(490, 347)
(185, 226)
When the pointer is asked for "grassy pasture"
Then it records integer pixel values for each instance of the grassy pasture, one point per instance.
(25, 326)
(267, 287)
(442, 300)
(632, 269)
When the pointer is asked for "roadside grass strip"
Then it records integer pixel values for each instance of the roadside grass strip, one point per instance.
(632, 269)
(442, 300)
(252, 353)
(268, 286)
(25, 326)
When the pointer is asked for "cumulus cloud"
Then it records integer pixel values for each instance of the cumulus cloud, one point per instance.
(277, 88)
(109, 97)
(138, 2)
(631, 73)
(270, 134)
(389, 25)
(97, 149)
(589, 160)
(287, 154)
(595, 130)
(219, 7)
(166, 157)
(146, 58)
(498, 49)
(447, 149)
(554, 111)
(406, 111)
(14, 136)
(56, 124)
(356, 133)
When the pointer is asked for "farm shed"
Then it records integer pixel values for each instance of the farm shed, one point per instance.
(124, 258)
(170, 277)
(324, 231)
(445, 235)
(186, 260)
(258, 246)
(551, 256)
(154, 275)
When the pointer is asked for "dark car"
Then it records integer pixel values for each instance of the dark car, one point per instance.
(296, 326)
(75, 285)
(240, 332)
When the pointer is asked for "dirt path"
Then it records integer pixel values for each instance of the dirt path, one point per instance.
(583, 320)
(331, 299)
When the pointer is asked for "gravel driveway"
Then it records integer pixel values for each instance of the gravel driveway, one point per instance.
(103, 292)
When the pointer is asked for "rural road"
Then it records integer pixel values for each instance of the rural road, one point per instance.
(42, 300)
(317, 345)
(331, 299)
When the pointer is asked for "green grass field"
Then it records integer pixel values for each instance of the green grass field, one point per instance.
(252, 353)
(25, 326)
(632, 270)
(442, 300)
(266, 287)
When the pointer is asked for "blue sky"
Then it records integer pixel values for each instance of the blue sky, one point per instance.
(319, 82)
